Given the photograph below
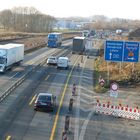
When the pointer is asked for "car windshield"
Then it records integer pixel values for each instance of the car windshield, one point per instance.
(52, 58)
(44, 98)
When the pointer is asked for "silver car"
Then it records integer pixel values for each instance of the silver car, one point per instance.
(52, 60)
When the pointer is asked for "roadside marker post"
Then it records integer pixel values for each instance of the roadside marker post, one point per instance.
(71, 104)
(74, 89)
(64, 135)
(67, 121)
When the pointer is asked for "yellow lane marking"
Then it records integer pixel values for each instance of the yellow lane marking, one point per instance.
(29, 62)
(60, 104)
(47, 77)
(8, 138)
(32, 99)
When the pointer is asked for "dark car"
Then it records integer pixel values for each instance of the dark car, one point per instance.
(45, 101)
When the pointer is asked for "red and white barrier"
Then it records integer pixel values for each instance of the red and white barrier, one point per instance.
(118, 111)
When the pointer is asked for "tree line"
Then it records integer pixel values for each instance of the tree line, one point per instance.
(26, 19)
(102, 22)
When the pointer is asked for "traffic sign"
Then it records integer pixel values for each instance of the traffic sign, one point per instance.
(114, 50)
(101, 82)
(131, 52)
(114, 87)
(113, 93)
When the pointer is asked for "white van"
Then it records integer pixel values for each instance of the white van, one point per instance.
(63, 62)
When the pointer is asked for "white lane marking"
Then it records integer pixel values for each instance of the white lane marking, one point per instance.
(85, 110)
(84, 126)
(76, 131)
(86, 95)
(14, 75)
(87, 102)
(88, 90)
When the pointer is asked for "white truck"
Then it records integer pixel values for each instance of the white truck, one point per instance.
(119, 31)
(10, 54)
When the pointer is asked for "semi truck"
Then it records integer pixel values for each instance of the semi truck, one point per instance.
(10, 54)
(79, 45)
(54, 40)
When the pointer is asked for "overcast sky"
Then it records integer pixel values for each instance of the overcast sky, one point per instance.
(128, 9)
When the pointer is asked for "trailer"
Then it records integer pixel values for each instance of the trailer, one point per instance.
(79, 45)
(54, 40)
(10, 54)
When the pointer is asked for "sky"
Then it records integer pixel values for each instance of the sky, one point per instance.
(128, 9)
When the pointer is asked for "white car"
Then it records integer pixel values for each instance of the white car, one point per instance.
(52, 60)
(63, 62)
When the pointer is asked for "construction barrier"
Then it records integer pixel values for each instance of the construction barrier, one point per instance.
(74, 89)
(67, 122)
(71, 104)
(118, 111)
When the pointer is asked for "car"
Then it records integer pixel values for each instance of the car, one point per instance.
(45, 101)
(52, 60)
(63, 62)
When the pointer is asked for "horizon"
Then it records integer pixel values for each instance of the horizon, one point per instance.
(62, 9)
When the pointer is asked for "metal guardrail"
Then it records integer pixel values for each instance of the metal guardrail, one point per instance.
(18, 82)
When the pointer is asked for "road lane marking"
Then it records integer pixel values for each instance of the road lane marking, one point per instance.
(8, 138)
(77, 123)
(29, 62)
(47, 77)
(84, 126)
(60, 104)
(33, 99)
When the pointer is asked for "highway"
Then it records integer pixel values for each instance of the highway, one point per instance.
(19, 121)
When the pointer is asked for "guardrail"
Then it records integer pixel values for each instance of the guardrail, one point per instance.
(18, 82)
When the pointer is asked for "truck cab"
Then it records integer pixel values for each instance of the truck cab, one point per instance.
(54, 40)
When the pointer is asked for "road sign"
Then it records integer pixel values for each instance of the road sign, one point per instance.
(131, 52)
(101, 81)
(114, 50)
(113, 93)
(114, 86)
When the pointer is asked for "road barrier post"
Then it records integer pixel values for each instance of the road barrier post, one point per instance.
(74, 89)
(71, 104)
(67, 121)
(64, 135)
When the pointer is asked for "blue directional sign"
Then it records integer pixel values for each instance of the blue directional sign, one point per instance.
(131, 52)
(114, 50)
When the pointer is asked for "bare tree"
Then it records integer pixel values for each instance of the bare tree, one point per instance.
(27, 19)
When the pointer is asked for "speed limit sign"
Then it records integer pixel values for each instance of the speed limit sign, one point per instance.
(114, 86)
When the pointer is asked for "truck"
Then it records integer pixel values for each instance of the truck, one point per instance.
(85, 33)
(118, 31)
(10, 54)
(78, 45)
(54, 40)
